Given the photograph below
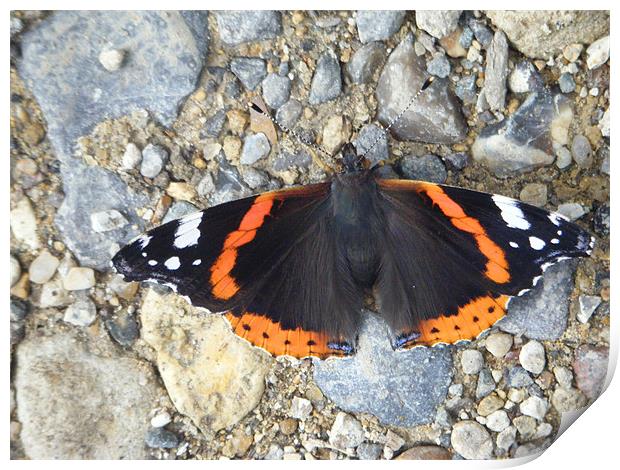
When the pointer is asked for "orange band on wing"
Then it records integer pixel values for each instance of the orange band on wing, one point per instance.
(496, 266)
(269, 335)
(224, 285)
(470, 320)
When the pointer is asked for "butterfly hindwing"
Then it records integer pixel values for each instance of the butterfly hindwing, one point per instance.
(454, 256)
(250, 257)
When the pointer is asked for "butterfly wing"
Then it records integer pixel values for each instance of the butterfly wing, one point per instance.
(470, 252)
(269, 261)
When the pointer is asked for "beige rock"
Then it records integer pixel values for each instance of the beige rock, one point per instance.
(211, 375)
(335, 133)
(24, 224)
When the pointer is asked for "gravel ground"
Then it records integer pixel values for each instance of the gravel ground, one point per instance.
(120, 121)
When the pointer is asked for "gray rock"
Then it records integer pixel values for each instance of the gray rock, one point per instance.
(205, 186)
(485, 384)
(551, 296)
(532, 357)
(525, 140)
(366, 137)
(123, 328)
(249, 70)
(66, 391)
(254, 178)
(405, 376)
(327, 81)
(214, 124)
(228, 183)
(255, 147)
(518, 377)
(82, 312)
(524, 78)
(131, 157)
(289, 113)
(91, 189)
(590, 365)
(535, 407)
(376, 25)
(482, 33)
(369, 451)
(104, 221)
(276, 90)
(471, 440)
(346, 432)
(160, 438)
(572, 210)
(75, 92)
(466, 89)
(471, 361)
(437, 23)
(154, 157)
(601, 221)
(564, 158)
(24, 226)
(366, 60)
(43, 267)
(177, 210)
(456, 161)
(236, 27)
(426, 168)
(15, 270)
(285, 161)
(582, 151)
(434, 118)
(598, 53)
(566, 83)
(587, 306)
(543, 34)
(439, 66)
(496, 71)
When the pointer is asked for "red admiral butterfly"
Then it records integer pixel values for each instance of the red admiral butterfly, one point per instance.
(290, 268)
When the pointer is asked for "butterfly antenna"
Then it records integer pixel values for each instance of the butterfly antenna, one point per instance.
(286, 130)
(413, 99)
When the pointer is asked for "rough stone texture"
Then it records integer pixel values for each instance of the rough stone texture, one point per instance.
(236, 27)
(249, 70)
(425, 168)
(498, 344)
(255, 147)
(542, 314)
(366, 60)
(346, 432)
(532, 357)
(590, 366)
(24, 224)
(541, 34)
(425, 453)
(276, 90)
(327, 81)
(435, 117)
(66, 391)
(61, 67)
(211, 375)
(524, 78)
(587, 306)
(93, 189)
(376, 25)
(525, 140)
(437, 23)
(43, 267)
(367, 137)
(402, 388)
(471, 440)
(598, 53)
(496, 72)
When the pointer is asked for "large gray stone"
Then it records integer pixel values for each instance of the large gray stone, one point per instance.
(401, 388)
(76, 401)
(545, 33)
(376, 25)
(526, 140)
(327, 81)
(236, 27)
(61, 66)
(496, 71)
(543, 312)
(435, 117)
(89, 190)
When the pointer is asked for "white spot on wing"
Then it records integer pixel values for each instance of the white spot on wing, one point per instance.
(197, 262)
(144, 240)
(537, 243)
(514, 244)
(560, 232)
(187, 233)
(172, 263)
(511, 213)
(152, 262)
(555, 241)
(144, 255)
(557, 218)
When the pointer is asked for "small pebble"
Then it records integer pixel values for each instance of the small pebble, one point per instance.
(161, 419)
(24, 224)
(568, 399)
(54, 295)
(346, 432)
(439, 66)
(456, 161)
(123, 328)
(471, 361)
(369, 451)
(572, 52)
(518, 377)
(455, 390)
(43, 267)
(255, 147)
(526, 425)
(543, 430)
(82, 312)
(489, 404)
(506, 438)
(79, 278)
(106, 221)
(154, 157)
(597, 53)
(563, 376)
(535, 407)
(604, 123)
(276, 90)
(532, 357)
(564, 157)
(160, 438)
(426, 168)
(471, 440)
(587, 306)
(485, 384)
(498, 421)
(535, 194)
(327, 81)
(112, 59)
(289, 113)
(582, 151)
(498, 344)
(131, 157)
(16, 271)
(288, 426)
(300, 408)
(572, 210)
(567, 83)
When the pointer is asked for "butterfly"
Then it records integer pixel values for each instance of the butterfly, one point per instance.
(290, 268)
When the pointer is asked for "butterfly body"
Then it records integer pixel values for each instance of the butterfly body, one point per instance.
(290, 268)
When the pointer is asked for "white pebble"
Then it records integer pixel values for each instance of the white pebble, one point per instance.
(16, 271)
(79, 279)
(112, 59)
(132, 156)
(43, 267)
(535, 407)
(532, 357)
(498, 344)
(24, 224)
(108, 220)
(472, 361)
(598, 53)
(300, 408)
(498, 421)
(82, 312)
(161, 419)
